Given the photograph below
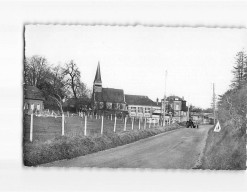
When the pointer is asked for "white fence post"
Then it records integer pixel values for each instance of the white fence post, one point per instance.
(62, 124)
(114, 130)
(125, 120)
(149, 124)
(139, 123)
(145, 123)
(102, 124)
(85, 126)
(31, 128)
(132, 123)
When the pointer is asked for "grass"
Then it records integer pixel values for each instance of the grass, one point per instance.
(70, 146)
(225, 150)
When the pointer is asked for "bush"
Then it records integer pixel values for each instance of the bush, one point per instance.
(67, 147)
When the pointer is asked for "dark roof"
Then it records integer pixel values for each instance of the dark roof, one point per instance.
(32, 92)
(97, 78)
(173, 97)
(140, 100)
(110, 95)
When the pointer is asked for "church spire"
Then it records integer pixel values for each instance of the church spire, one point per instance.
(97, 84)
(97, 79)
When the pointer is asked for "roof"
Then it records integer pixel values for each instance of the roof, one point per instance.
(97, 78)
(32, 92)
(110, 95)
(140, 100)
(174, 98)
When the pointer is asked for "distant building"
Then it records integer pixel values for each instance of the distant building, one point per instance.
(141, 106)
(176, 107)
(33, 99)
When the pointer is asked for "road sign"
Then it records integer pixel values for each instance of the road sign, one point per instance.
(217, 128)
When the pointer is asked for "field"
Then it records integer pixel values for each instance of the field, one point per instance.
(49, 145)
(46, 128)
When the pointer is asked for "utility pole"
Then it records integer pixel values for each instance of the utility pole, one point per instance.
(164, 105)
(214, 103)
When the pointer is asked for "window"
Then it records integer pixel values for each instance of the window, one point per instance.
(38, 106)
(32, 106)
(140, 109)
(147, 110)
(101, 105)
(132, 109)
(109, 105)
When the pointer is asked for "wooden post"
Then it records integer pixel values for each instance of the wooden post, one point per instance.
(62, 124)
(85, 126)
(114, 130)
(139, 123)
(31, 128)
(111, 117)
(133, 123)
(96, 116)
(102, 124)
(125, 121)
(145, 123)
(149, 124)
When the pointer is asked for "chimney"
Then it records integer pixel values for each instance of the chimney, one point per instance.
(157, 101)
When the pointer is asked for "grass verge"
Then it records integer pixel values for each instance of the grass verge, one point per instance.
(67, 147)
(225, 150)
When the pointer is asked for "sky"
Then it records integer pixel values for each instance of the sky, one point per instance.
(135, 58)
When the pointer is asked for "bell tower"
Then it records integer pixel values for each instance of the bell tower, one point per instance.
(97, 84)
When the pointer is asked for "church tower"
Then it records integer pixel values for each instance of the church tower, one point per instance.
(97, 84)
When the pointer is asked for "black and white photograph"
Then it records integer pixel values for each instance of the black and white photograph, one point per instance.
(136, 97)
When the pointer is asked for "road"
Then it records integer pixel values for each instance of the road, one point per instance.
(177, 149)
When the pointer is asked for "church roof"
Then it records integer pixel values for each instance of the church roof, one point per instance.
(140, 100)
(32, 92)
(97, 78)
(110, 95)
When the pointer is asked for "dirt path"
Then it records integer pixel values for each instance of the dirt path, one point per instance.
(178, 149)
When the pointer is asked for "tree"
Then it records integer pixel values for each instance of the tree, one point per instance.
(239, 70)
(54, 88)
(36, 70)
(73, 75)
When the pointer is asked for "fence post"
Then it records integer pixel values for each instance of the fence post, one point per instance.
(102, 124)
(31, 128)
(139, 123)
(96, 116)
(111, 117)
(62, 124)
(149, 124)
(133, 123)
(125, 120)
(114, 130)
(145, 123)
(85, 126)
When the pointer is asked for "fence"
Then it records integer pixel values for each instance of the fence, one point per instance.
(47, 126)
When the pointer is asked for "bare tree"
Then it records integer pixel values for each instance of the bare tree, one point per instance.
(36, 70)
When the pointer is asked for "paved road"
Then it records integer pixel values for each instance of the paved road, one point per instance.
(178, 149)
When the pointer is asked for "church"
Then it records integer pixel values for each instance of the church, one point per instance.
(114, 101)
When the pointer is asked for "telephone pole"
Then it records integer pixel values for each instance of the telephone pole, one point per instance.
(214, 103)
(164, 105)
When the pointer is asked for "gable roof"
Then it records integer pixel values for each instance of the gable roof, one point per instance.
(140, 100)
(32, 92)
(110, 95)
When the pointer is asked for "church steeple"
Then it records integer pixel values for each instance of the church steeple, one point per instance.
(97, 84)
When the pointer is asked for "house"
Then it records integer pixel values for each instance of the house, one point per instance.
(141, 106)
(176, 107)
(33, 99)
